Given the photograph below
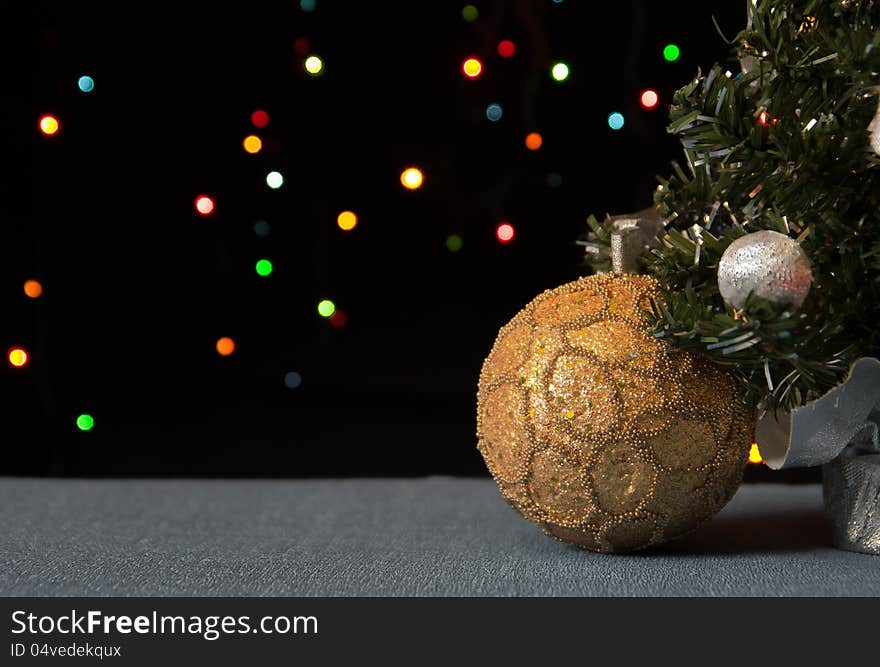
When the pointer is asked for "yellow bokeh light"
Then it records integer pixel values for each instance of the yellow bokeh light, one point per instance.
(472, 67)
(314, 65)
(412, 178)
(49, 125)
(18, 357)
(347, 221)
(252, 144)
(754, 454)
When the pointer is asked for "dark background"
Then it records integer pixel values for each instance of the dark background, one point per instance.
(138, 287)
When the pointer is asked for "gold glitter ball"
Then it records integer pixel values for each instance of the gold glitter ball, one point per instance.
(601, 434)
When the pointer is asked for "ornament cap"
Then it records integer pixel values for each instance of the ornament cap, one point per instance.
(631, 235)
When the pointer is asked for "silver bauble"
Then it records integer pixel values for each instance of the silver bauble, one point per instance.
(874, 129)
(768, 263)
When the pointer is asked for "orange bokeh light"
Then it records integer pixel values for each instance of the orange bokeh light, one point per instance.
(347, 221)
(252, 144)
(225, 346)
(33, 288)
(534, 141)
(412, 178)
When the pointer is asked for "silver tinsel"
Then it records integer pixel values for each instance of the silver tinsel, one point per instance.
(839, 431)
(768, 263)
(852, 497)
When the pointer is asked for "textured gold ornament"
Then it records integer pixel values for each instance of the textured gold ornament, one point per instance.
(601, 434)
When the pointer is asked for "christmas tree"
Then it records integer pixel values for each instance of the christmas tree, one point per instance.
(781, 172)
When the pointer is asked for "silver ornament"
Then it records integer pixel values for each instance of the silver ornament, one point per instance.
(768, 263)
(874, 129)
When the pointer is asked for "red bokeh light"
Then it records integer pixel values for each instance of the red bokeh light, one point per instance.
(260, 118)
(338, 319)
(649, 99)
(506, 48)
(204, 205)
(302, 46)
(505, 232)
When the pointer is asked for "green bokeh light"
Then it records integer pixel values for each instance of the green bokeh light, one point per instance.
(264, 267)
(559, 71)
(85, 422)
(454, 242)
(671, 52)
(326, 308)
(469, 13)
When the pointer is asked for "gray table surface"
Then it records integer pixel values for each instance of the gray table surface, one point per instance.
(405, 537)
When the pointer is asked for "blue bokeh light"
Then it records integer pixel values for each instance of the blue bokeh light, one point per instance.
(615, 120)
(494, 112)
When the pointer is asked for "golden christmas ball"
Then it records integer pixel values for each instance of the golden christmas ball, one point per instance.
(601, 434)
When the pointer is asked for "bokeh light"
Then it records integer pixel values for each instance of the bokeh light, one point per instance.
(506, 48)
(18, 357)
(554, 180)
(347, 221)
(33, 288)
(252, 144)
(86, 83)
(260, 118)
(412, 178)
(274, 179)
(326, 308)
(534, 141)
(308, 5)
(766, 119)
(204, 205)
(262, 228)
(314, 65)
(559, 71)
(472, 68)
(505, 232)
(85, 422)
(454, 242)
(470, 13)
(338, 319)
(755, 454)
(615, 120)
(49, 125)
(494, 112)
(302, 46)
(225, 346)
(292, 380)
(263, 267)
(649, 99)
(671, 53)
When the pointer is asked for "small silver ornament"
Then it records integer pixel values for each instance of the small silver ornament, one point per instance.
(874, 129)
(768, 263)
